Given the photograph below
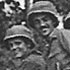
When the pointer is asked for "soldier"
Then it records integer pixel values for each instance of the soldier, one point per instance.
(66, 21)
(23, 54)
(43, 20)
(66, 27)
(66, 33)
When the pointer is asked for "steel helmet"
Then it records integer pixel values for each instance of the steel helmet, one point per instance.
(42, 6)
(19, 31)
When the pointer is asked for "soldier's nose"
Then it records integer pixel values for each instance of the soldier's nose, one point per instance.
(42, 24)
(13, 47)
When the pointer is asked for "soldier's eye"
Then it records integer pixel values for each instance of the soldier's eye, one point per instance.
(45, 18)
(17, 43)
(10, 45)
(36, 21)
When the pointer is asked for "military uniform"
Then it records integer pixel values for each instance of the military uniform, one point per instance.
(66, 33)
(31, 60)
(57, 57)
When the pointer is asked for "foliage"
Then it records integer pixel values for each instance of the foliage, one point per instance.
(10, 15)
(61, 5)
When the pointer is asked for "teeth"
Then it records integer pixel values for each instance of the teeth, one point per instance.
(45, 29)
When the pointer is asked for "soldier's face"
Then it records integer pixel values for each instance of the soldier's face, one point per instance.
(18, 46)
(43, 24)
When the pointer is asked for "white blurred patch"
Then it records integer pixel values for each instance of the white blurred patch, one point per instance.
(1, 0)
(61, 23)
(7, 7)
(22, 3)
(23, 23)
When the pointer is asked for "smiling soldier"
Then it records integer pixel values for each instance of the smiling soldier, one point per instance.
(43, 19)
(24, 56)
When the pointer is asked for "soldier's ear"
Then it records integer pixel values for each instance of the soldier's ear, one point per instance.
(29, 43)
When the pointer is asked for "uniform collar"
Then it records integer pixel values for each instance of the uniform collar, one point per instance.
(53, 34)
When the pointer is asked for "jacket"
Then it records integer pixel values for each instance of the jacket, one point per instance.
(58, 58)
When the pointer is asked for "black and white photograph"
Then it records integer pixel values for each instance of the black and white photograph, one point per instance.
(34, 35)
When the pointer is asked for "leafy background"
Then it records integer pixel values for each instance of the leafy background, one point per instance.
(16, 15)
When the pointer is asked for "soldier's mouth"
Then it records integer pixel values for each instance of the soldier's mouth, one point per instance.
(44, 29)
(25, 55)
